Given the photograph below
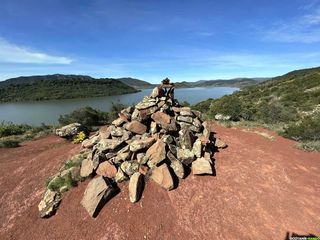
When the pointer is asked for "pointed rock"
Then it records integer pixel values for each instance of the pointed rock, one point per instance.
(186, 139)
(120, 176)
(162, 176)
(176, 165)
(197, 148)
(220, 144)
(135, 187)
(201, 166)
(97, 193)
(86, 168)
(156, 153)
(161, 118)
(49, 203)
(108, 144)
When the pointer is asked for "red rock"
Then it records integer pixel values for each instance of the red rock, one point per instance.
(136, 127)
(106, 169)
(161, 118)
(156, 153)
(143, 170)
(162, 176)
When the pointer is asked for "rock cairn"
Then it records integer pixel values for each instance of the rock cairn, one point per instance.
(156, 140)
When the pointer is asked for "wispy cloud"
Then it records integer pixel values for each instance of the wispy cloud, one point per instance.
(11, 53)
(303, 29)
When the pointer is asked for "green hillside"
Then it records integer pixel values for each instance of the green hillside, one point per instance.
(291, 101)
(36, 88)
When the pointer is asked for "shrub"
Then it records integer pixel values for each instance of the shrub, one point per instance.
(228, 105)
(86, 116)
(307, 130)
(276, 113)
(9, 143)
(57, 183)
(115, 109)
(9, 129)
(185, 104)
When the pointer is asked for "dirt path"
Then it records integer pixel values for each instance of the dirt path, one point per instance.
(263, 189)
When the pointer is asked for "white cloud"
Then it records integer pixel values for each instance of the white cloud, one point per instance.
(303, 29)
(11, 53)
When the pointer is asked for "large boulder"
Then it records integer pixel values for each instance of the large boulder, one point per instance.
(70, 130)
(97, 193)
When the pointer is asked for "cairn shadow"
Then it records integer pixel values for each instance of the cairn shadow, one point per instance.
(289, 236)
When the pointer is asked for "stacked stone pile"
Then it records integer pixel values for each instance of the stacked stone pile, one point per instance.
(155, 140)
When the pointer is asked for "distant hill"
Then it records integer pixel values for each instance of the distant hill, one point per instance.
(136, 83)
(58, 86)
(291, 101)
(236, 82)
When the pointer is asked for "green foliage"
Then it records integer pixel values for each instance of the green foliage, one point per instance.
(281, 101)
(309, 146)
(56, 183)
(307, 129)
(185, 104)
(86, 116)
(9, 129)
(79, 138)
(115, 109)
(228, 105)
(9, 143)
(275, 113)
(60, 87)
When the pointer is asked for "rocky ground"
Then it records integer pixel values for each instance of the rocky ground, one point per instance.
(263, 189)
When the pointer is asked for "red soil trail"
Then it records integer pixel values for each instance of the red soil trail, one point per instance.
(262, 190)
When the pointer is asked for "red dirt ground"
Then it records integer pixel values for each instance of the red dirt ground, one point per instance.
(263, 189)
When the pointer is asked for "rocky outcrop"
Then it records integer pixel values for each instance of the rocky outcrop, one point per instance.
(70, 130)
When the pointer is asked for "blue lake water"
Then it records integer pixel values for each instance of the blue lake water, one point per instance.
(49, 111)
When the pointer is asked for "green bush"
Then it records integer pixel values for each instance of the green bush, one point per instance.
(55, 184)
(307, 130)
(86, 116)
(275, 113)
(9, 129)
(228, 105)
(115, 109)
(9, 143)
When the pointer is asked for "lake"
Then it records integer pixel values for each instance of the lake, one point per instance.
(48, 112)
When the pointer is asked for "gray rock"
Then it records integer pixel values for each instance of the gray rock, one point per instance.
(176, 165)
(70, 130)
(186, 139)
(135, 187)
(120, 176)
(185, 119)
(89, 143)
(108, 144)
(155, 92)
(197, 148)
(129, 167)
(185, 156)
(49, 203)
(97, 193)
(168, 139)
(221, 117)
(145, 104)
(86, 168)
(136, 145)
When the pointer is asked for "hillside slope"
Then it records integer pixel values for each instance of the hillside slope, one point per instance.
(136, 83)
(291, 101)
(262, 190)
(36, 88)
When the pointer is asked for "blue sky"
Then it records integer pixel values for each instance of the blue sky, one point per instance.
(151, 39)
